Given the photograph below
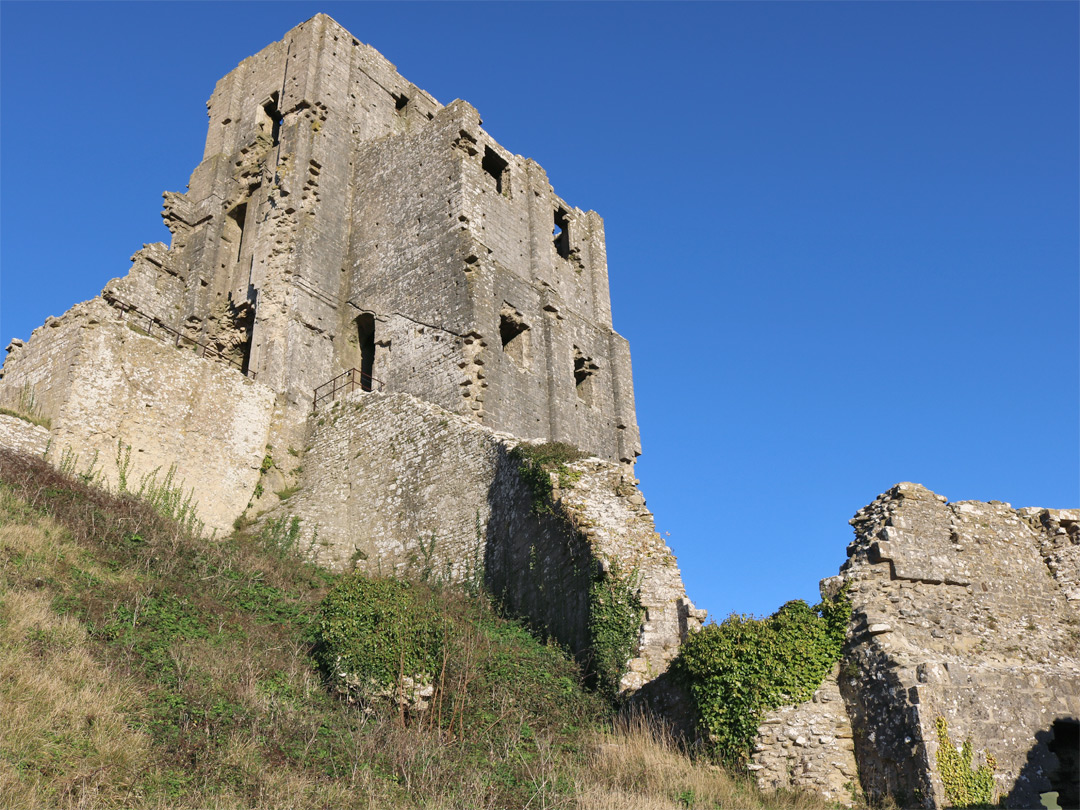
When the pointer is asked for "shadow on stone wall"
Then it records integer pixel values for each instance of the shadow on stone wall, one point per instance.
(537, 566)
(1053, 764)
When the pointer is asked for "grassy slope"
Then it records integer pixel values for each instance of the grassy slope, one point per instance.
(144, 667)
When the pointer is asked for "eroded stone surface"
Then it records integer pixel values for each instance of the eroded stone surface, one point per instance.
(964, 611)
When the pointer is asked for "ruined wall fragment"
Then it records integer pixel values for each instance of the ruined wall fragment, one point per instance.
(958, 615)
(102, 382)
(394, 485)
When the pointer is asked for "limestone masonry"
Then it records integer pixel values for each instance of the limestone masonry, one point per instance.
(368, 303)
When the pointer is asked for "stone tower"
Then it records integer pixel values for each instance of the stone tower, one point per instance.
(341, 218)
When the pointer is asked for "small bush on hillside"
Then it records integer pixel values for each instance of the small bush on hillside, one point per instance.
(379, 631)
(738, 670)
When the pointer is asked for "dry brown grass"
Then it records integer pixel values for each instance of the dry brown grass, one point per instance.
(639, 764)
(64, 715)
(97, 711)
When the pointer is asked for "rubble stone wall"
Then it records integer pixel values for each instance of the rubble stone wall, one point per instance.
(392, 484)
(809, 746)
(958, 615)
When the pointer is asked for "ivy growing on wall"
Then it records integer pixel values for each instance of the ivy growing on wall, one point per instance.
(740, 669)
(964, 787)
(615, 616)
(536, 462)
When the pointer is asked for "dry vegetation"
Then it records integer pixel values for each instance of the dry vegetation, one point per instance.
(144, 667)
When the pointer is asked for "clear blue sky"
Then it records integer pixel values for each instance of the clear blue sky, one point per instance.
(842, 237)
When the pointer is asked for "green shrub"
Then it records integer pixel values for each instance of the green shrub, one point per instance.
(379, 631)
(738, 670)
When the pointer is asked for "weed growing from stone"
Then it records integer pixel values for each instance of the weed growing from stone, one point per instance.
(536, 463)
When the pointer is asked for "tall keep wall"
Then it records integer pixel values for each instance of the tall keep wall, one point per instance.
(333, 191)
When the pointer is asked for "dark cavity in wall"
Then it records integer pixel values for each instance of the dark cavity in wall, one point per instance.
(400, 103)
(496, 167)
(365, 332)
(270, 119)
(562, 233)
(1065, 744)
(584, 371)
(512, 329)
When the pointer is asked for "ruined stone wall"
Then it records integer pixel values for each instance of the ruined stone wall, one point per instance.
(101, 382)
(26, 437)
(809, 746)
(958, 615)
(394, 485)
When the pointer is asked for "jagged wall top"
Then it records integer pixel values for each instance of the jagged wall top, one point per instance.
(342, 218)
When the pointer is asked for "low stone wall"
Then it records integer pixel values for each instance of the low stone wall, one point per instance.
(103, 384)
(394, 485)
(809, 746)
(26, 437)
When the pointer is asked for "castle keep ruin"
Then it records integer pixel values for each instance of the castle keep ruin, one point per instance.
(368, 303)
(342, 218)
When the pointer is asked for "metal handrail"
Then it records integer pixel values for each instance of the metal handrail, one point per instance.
(178, 338)
(347, 381)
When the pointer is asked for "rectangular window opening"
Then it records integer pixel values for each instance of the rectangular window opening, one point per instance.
(234, 228)
(365, 331)
(512, 331)
(562, 233)
(584, 372)
(400, 103)
(496, 167)
(270, 119)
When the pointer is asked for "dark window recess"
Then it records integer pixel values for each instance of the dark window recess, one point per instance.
(1065, 743)
(365, 331)
(562, 233)
(496, 167)
(584, 372)
(512, 329)
(270, 121)
(234, 228)
(400, 103)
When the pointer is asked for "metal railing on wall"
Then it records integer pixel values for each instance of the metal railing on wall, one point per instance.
(345, 382)
(151, 327)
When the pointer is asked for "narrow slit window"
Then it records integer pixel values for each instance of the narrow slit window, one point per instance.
(365, 332)
(584, 373)
(562, 233)
(496, 167)
(270, 119)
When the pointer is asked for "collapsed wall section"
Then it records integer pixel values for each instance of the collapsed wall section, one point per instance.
(958, 616)
(103, 386)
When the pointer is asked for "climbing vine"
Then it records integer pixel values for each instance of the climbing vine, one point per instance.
(740, 669)
(615, 616)
(964, 787)
(536, 462)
